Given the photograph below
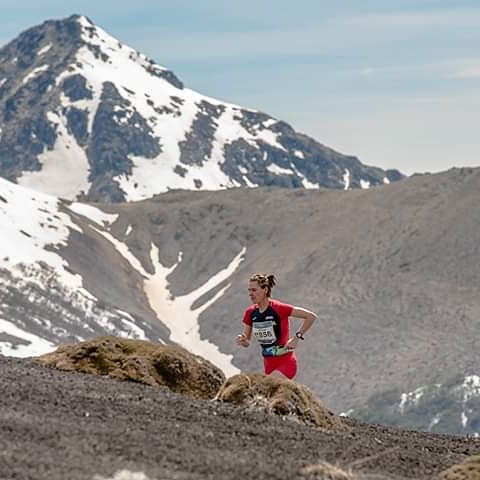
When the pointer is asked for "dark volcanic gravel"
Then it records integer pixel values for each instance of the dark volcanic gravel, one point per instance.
(58, 425)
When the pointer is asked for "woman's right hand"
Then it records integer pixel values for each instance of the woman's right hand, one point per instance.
(242, 340)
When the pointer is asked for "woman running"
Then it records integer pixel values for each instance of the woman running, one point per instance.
(268, 321)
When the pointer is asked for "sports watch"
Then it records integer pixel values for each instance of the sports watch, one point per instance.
(300, 335)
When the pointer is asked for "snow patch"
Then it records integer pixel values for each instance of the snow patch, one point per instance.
(44, 49)
(147, 180)
(95, 214)
(124, 475)
(132, 330)
(471, 387)
(434, 421)
(464, 419)
(124, 251)
(36, 345)
(305, 182)
(248, 182)
(268, 123)
(346, 179)
(34, 73)
(64, 170)
(128, 330)
(176, 312)
(179, 316)
(30, 222)
(269, 137)
(410, 398)
(277, 170)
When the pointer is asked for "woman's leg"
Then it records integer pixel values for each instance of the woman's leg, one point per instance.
(288, 366)
(269, 365)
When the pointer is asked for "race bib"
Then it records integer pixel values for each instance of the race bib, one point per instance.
(263, 332)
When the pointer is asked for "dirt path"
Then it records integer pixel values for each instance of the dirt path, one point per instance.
(57, 425)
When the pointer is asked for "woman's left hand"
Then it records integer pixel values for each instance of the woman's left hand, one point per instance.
(292, 343)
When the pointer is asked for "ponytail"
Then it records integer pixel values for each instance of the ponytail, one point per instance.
(264, 280)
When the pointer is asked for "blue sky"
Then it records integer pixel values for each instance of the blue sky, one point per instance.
(394, 82)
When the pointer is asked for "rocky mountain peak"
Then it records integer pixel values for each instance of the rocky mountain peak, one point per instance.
(83, 116)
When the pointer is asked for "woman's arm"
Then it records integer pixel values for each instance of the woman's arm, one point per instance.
(308, 319)
(243, 339)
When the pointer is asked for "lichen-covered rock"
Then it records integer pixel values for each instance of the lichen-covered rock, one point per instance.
(469, 469)
(140, 361)
(326, 471)
(280, 396)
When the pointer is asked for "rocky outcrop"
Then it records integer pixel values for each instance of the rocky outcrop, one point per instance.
(140, 361)
(280, 396)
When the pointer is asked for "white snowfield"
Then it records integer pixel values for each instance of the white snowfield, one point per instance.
(33, 228)
(35, 225)
(31, 221)
(33, 344)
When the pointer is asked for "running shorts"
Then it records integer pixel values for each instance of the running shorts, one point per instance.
(285, 364)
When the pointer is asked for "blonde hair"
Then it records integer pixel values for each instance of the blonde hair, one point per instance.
(264, 280)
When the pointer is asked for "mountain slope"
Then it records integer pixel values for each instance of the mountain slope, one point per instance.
(83, 116)
(64, 277)
(451, 407)
(43, 301)
(392, 273)
(58, 425)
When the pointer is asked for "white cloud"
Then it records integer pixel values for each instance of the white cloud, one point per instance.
(368, 72)
(469, 73)
(411, 134)
(466, 73)
(452, 18)
(219, 45)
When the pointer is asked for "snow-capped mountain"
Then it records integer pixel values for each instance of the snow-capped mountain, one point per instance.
(449, 407)
(83, 116)
(64, 277)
